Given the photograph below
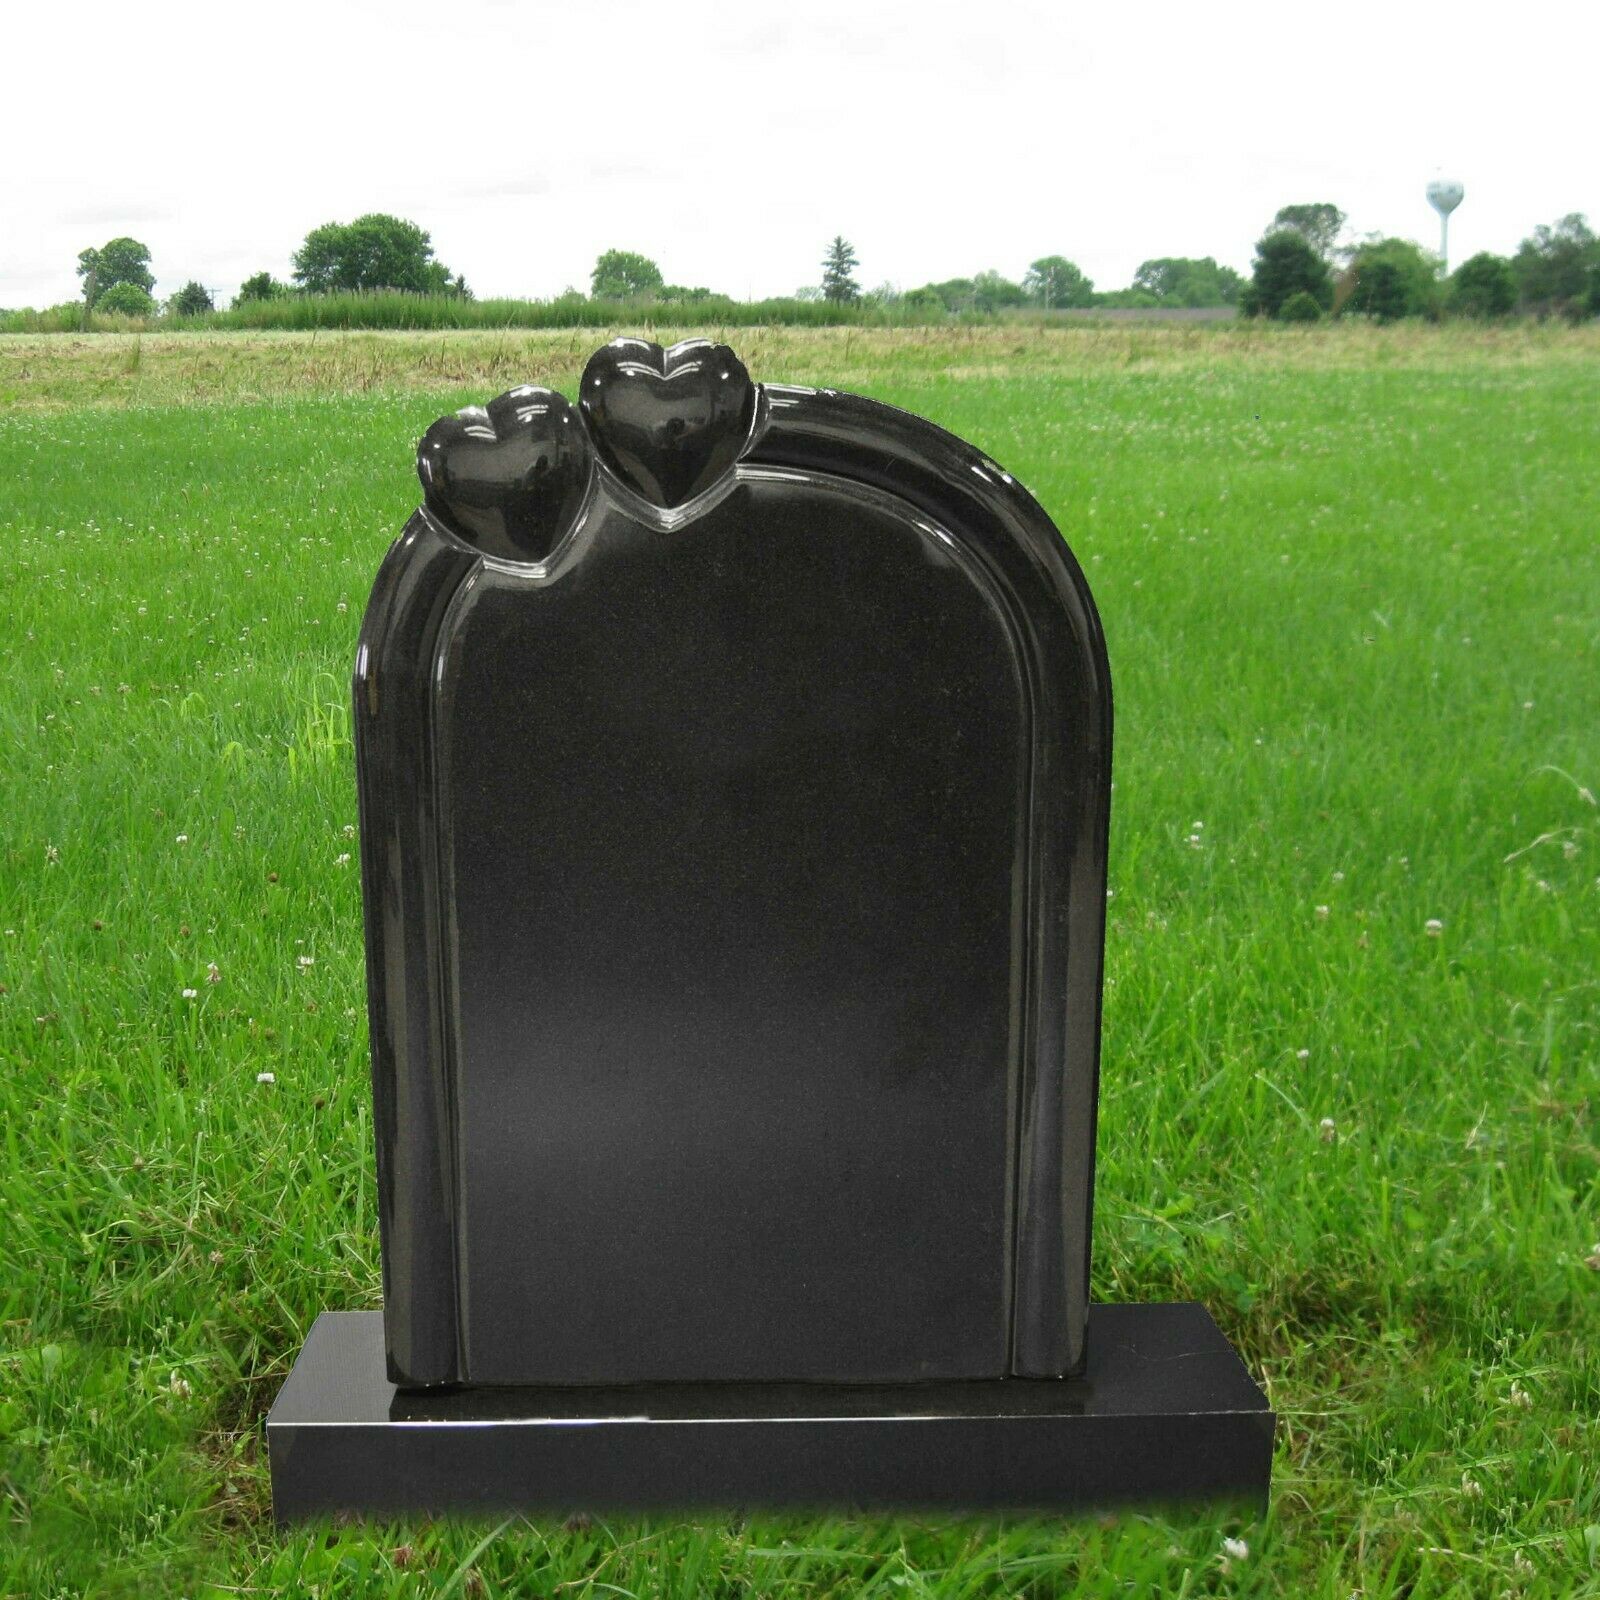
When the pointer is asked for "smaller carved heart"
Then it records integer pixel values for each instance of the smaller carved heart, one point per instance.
(668, 422)
(508, 478)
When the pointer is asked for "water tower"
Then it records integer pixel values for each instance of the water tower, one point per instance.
(1444, 195)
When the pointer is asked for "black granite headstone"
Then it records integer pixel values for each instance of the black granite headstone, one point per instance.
(734, 768)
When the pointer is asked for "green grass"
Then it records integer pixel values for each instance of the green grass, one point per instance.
(1352, 592)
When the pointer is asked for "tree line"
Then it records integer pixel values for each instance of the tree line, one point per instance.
(1300, 272)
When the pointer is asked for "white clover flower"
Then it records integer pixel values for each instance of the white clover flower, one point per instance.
(183, 838)
(1328, 1130)
(1302, 1055)
(342, 859)
(305, 961)
(1323, 913)
(266, 1077)
(213, 974)
(190, 994)
(1236, 1549)
(1433, 927)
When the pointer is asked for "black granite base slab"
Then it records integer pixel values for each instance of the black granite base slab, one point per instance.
(1165, 1412)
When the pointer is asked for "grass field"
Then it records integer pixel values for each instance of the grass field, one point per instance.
(1351, 585)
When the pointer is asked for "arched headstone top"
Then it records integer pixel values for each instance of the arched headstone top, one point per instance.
(734, 764)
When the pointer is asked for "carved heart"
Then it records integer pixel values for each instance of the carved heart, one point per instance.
(668, 422)
(509, 478)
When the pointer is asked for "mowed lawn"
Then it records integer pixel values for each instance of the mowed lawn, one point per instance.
(1351, 1088)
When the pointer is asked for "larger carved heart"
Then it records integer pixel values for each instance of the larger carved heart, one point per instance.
(668, 422)
(508, 479)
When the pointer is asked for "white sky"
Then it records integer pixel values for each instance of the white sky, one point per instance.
(730, 141)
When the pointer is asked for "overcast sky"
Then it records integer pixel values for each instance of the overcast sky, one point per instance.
(731, 141)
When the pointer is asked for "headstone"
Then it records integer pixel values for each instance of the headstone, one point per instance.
(734, 767)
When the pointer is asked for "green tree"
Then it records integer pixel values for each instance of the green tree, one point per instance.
(1188, 281)
(1388, 279)
(117, 261)
(1483, 286)
(837, 266)
(1054, 281)
(192, 300)
(1317, 223)
(1285, 264)
(955, 294)
(624, 275)
(1553, 263)
(376, 251)
(260, 286)
(992, 292)
(922, 302)
(125, 300)
(1300, 307)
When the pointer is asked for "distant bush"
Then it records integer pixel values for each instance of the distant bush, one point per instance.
(375, 252)
(125, 300)
(192, 300)
(1301, 306)
(1318, 223)
(1285, 265)
(1388, 279)
(65, 318)
(993, 292)
(1187, 281)
(260, 286)
(1483, 286)
(1053, 281)
(118, 261)
(1553, 267)
(623, 275)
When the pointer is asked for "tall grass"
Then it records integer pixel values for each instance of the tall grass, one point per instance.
(422, 312)
(416, 311)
